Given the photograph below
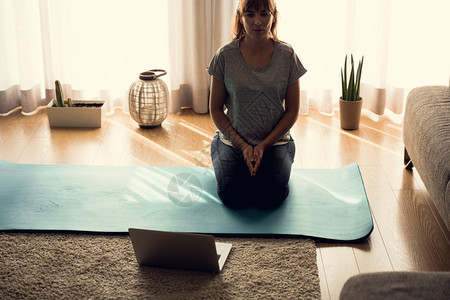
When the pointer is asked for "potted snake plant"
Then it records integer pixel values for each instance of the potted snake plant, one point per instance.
(350, 103)
(74, 113)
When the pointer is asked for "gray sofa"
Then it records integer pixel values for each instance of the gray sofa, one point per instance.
(397, 286)
(426, 136)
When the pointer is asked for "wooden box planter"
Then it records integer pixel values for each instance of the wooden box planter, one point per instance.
(82, 114)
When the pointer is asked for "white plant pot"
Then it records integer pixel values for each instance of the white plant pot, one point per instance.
(86, 116)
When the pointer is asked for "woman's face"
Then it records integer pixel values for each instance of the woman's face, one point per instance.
(257, 23)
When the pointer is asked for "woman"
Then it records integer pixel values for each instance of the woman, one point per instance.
(256, 78)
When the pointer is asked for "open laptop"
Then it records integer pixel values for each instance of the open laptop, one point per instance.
(196, 252)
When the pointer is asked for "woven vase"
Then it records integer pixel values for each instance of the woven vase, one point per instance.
(148, 99)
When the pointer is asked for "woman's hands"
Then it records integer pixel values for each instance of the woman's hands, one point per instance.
(253, 157)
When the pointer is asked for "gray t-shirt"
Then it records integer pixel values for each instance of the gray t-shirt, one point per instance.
(255, 96)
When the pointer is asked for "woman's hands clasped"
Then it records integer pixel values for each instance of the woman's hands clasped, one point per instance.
(253, 157)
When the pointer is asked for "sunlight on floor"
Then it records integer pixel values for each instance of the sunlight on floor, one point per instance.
(353, 136)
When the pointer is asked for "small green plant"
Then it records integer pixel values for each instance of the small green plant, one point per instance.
(350, 87)
(60, 96)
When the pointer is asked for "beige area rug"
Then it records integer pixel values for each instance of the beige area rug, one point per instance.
(81, 266)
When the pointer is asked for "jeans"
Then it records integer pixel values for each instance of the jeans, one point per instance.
(237, 189)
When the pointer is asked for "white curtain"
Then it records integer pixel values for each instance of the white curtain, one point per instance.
(97, 48)
(405, 43)
(197, 29)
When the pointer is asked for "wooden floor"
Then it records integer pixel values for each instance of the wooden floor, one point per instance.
(408, 235)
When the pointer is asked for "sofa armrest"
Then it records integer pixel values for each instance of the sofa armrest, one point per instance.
(426, 136)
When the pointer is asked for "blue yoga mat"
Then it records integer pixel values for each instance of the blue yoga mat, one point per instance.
(329, 204)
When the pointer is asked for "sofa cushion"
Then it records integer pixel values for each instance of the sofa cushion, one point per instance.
(397, 285)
